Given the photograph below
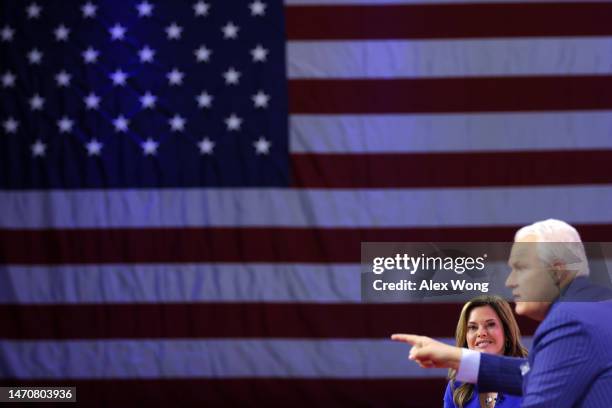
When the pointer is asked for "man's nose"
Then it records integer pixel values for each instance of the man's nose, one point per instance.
(511, 281)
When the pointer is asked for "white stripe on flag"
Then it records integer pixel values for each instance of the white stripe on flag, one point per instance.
(450, 132)
(219, 358)
(180, 283)
(222, 282)
(304, 208)
(449, 58)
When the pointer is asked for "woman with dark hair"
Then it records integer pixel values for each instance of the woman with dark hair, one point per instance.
(486, 324)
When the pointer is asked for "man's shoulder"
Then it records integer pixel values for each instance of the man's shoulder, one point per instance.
(581, 313)
(582, 289)
(587, 318)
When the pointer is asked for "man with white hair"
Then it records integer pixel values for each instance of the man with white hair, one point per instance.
(570, 364)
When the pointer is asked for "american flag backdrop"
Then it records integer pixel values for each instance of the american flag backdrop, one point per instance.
(185, 184)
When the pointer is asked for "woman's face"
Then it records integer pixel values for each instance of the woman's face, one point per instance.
(485, 332)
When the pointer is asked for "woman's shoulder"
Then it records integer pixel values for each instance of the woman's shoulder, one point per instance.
(509, 401)
(448, 393)
(454, 384)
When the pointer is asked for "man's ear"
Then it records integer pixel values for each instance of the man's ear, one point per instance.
(560, 274)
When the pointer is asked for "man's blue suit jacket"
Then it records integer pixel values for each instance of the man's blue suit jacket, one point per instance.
(570, 363)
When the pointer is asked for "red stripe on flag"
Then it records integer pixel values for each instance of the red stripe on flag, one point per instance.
(448, 21)
(246, 392)
(439, 95)
(231, 320)
(180, 245)
(427, 170)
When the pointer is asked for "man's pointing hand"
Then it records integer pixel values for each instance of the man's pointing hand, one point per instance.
(430, 353)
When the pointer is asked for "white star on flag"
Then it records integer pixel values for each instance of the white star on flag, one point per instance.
(146, 54)
(33, 10)
(175, 77)
(117, 32)
(63, 79)
(259, 53)
(262, 146)
(94, 147)
(145, 9)
(38, 148)
(10, 125)
(200, 8)
(7, 34)
(121, 124)
(36, 102)
(35, 56)
(148, 100)
(65, 124)
(202, 54)
(89, 10)
(149, 147)
(232, 77)
(206, 146)
(118, 77)
(8, 79)
(177, 123)
(260, 100)
(173, 31)
(258, 8)
(92, 101)
(204, 100)
(233, 122)
(230, 30)
(90, 55)
(61, 33)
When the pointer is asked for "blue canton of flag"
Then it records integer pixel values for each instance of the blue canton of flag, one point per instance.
(119, 95)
